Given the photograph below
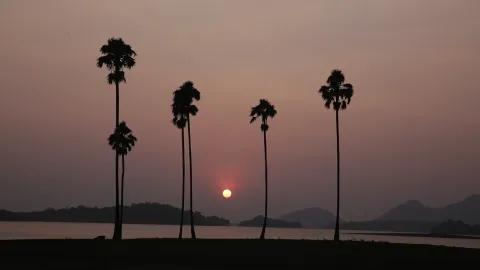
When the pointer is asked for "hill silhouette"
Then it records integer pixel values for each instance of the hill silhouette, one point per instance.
(140, 213)
(451, 227)
(413, 216)
(466, 211)
(314, 217)
(258, 222)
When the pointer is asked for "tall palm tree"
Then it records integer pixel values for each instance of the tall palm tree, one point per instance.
(122, 141)
(183, 107)
(264, 110)
(338, 93)
(116, 56)
(180, 120)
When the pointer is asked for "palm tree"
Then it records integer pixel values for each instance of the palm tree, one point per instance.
(180, 120)
(338, 93)
(182, 108)
(122, 141)
(264, 110)
(116, 56)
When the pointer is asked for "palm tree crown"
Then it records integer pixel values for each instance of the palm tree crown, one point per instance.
(182, 105)
(263, 110)
(336, 92)
(116, 55)
(122, 140)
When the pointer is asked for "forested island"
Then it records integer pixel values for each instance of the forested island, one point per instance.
(276, 223)
(140, 213)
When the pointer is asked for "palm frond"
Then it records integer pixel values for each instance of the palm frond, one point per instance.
(128, 62)
(336, 92)
(182, 106)
(117, 77)
(115, 56)
(122, 140)
(263, 110)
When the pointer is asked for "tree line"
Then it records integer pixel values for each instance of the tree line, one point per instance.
(117, 57)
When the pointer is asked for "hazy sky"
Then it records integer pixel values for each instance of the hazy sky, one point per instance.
(412, 130)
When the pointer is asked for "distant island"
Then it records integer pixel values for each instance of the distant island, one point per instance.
(140, 213)
(467, 210)
(411, 216)
(452, 227)
(314, 217)
(258, 221)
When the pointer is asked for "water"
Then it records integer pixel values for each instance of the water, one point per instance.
(63, 230)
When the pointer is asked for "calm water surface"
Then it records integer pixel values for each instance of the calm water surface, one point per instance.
(62, 230)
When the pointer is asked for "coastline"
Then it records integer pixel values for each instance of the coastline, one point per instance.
(431, 235)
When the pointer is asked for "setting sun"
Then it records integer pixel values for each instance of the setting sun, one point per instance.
(227, 193)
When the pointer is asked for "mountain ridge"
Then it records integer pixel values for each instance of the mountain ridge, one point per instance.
(467, 210)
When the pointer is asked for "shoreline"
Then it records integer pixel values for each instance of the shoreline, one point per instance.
(430, 235)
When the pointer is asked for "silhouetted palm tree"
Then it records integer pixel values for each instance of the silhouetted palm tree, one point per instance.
(122, 141)
(180, 121)
(182, 108)
(116, 56)
(264, 110)
(339, 94)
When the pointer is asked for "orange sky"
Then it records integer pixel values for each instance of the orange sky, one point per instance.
(411, 132)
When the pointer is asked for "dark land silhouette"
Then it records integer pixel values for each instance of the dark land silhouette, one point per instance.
(319, 218)
(467, 210)
(314, 217)
(411, 216)
(140, 213)
(229, 254)
(406, 220)
(278, 223)
(452, 227)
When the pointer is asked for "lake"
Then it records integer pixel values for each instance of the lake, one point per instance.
(63, 230)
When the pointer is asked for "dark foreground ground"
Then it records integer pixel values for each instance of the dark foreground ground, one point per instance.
(227, 254)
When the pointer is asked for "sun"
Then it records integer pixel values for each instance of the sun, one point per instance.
(227, 193)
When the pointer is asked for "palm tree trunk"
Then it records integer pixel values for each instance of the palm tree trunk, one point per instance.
(116, 229)
(122, 194)
(117, 104)
(337, 229)
(192, 226)
(180, 234)
(262, 235)
(117, 234)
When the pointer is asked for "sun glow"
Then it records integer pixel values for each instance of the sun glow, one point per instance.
(227, 193)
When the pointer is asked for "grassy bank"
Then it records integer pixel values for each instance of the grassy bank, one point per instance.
(220, 254)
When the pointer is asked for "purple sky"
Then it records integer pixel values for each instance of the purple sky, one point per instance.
(412, 130)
